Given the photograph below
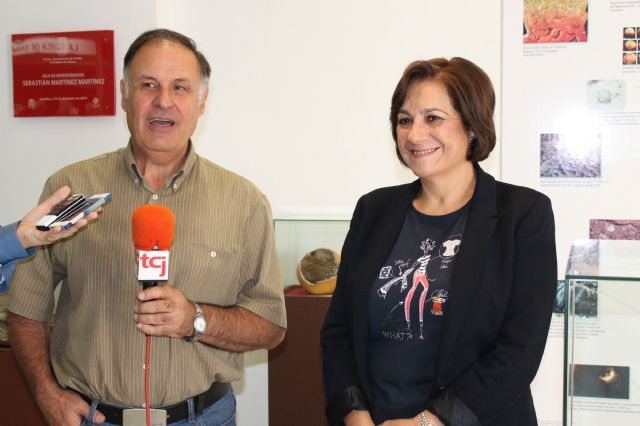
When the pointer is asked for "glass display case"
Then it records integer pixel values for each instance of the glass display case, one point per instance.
(602, 323)
(296, 237)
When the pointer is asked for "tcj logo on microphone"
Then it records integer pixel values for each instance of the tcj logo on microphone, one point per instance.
(152, 265)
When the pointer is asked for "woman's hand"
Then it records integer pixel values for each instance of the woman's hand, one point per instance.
(358, 418)
(30, 236)
(431, 418)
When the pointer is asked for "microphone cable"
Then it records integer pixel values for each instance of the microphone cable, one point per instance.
(147, 405)
(152, 230)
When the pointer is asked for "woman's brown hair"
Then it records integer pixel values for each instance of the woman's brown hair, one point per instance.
(471, 94)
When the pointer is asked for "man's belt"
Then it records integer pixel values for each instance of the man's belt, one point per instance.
(175, 412)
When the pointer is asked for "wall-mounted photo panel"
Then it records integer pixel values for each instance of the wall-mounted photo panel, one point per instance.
(614, 229)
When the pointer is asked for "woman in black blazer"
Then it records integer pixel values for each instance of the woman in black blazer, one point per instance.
(446, 285)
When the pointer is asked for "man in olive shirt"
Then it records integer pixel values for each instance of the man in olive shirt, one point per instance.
(223, 266)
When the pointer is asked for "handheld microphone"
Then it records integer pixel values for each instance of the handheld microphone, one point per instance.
(152, 229)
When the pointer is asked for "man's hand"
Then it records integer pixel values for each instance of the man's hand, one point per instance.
(30, 343)
(164, 311)
(29, 236)
(65, 408)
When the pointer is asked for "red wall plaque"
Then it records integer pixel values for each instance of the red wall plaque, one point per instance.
(63, 74)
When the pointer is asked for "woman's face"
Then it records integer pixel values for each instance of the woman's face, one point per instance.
(431, 138)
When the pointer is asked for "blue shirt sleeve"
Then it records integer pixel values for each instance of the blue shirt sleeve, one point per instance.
(10, 251)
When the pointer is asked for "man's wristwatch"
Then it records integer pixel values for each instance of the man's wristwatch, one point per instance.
(199, 325)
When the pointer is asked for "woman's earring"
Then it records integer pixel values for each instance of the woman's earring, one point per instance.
(472, 137)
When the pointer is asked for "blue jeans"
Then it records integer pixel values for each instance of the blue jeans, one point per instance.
(221, 413)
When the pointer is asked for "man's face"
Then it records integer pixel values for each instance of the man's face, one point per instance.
(162, 100)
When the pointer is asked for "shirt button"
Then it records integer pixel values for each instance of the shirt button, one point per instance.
(155, 197)
(213, 253)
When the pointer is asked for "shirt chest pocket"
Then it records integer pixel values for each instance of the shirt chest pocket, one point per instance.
(207, 272)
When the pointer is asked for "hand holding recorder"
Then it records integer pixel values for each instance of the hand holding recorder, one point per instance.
(163, 310)
(30, 236)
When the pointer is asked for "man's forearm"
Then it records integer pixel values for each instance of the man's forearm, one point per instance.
(238, 330)
(30, 344)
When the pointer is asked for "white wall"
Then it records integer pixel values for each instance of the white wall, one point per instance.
(301, 90)
(31, 149)
(299, 102)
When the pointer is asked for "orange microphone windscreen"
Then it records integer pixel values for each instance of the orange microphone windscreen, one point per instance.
(152, 227)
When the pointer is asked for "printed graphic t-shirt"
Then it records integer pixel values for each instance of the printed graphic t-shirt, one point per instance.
(407, 305)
